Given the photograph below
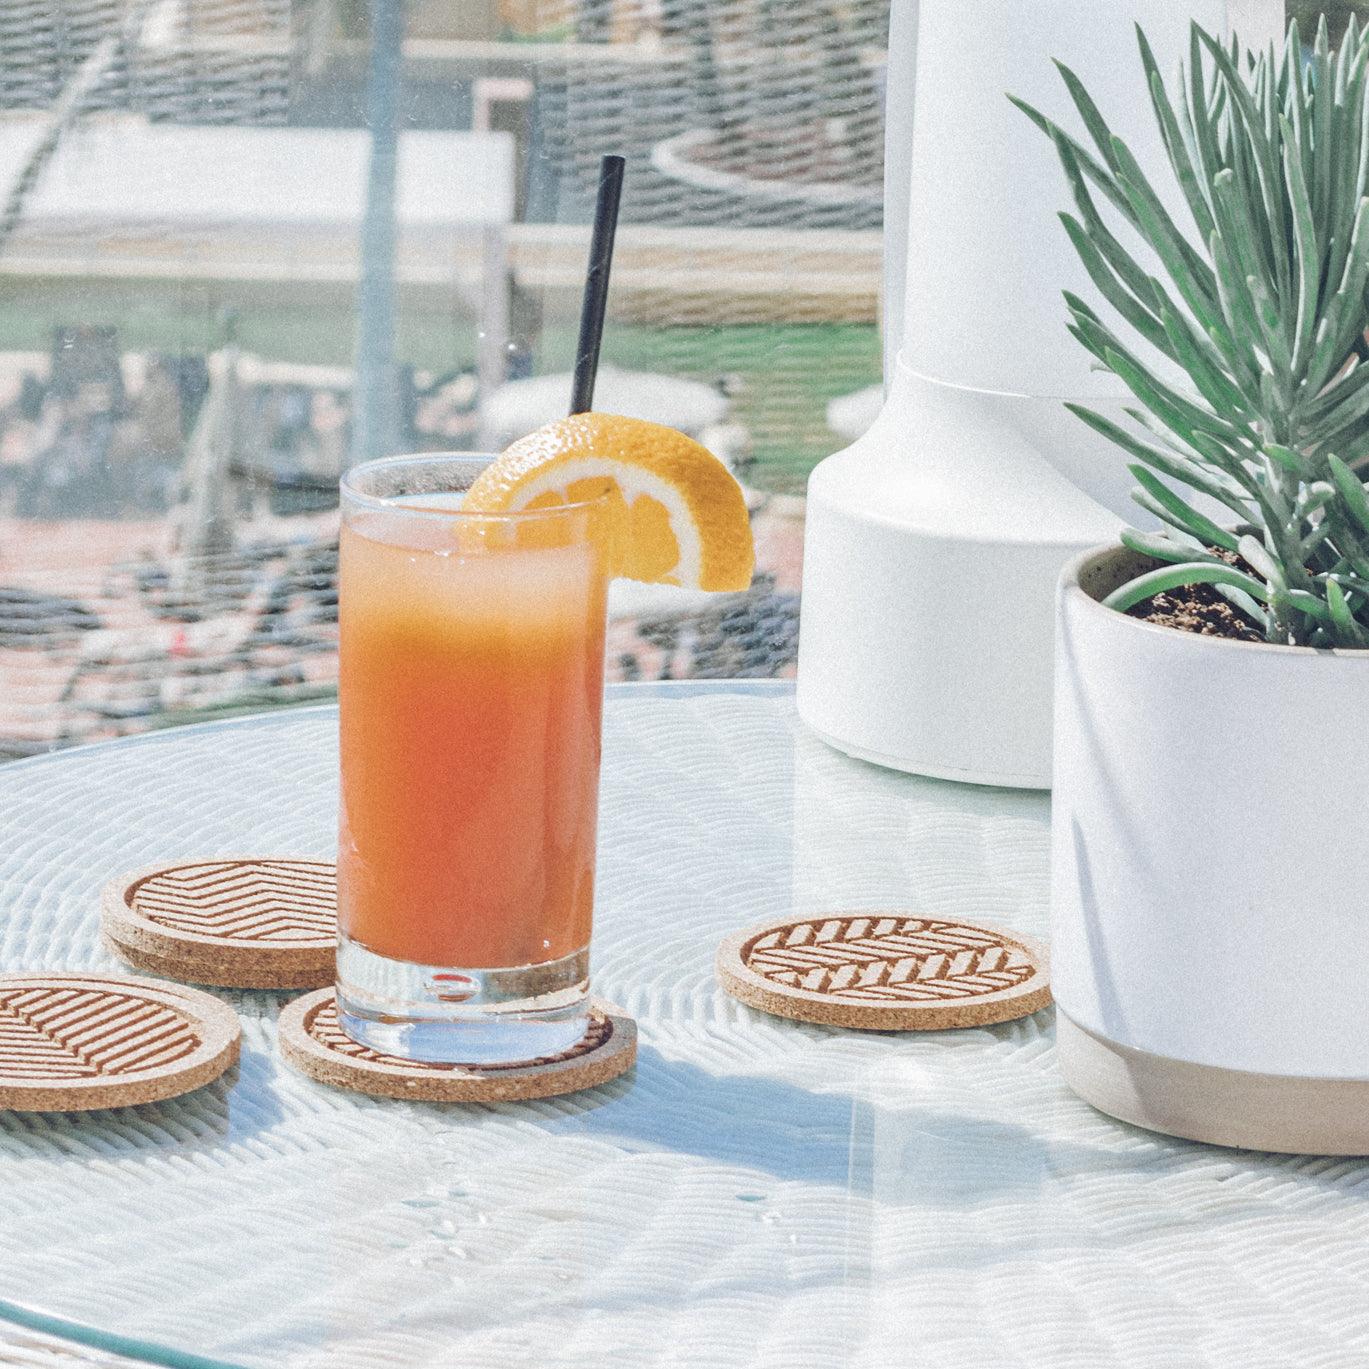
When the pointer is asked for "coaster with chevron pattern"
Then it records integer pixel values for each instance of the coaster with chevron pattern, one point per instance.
(70, 1042)
(242, 922)
(312, 1040)
(885, 971)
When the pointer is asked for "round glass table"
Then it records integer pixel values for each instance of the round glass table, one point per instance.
(756, 1193)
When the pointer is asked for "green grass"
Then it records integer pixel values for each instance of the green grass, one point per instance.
(788, 373)
(192, 320)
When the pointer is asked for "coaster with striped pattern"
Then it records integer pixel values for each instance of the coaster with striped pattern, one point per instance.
(71, 1042)
(886, 971)
(312, 1040)
(244, 922)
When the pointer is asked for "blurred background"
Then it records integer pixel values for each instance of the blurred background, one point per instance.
(244, 243)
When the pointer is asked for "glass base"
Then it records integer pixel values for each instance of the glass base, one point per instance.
(442, 1014)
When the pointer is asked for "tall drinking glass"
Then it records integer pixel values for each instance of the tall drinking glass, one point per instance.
(471, 691)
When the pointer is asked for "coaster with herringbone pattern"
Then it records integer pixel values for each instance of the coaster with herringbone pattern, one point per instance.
(248, 923)
(885, 971)
(69, 1042)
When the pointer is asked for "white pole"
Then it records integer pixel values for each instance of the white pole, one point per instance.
(899, 92)
(492, 350)
(375, 411)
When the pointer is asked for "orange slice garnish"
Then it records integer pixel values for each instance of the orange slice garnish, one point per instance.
(677, 515)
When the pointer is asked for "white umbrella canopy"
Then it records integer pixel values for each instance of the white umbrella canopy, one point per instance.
(850, 416)
(520, 406)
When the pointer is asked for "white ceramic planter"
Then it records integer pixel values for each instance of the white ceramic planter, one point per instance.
(1210, 877)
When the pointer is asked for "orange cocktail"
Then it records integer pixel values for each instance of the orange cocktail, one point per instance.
(471, 687)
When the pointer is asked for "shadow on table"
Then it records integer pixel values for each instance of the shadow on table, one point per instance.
(922, 1170)
(239, 1104)
(910, 1154)
(794, 1135)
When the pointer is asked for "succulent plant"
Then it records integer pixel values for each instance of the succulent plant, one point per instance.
(1262, 304)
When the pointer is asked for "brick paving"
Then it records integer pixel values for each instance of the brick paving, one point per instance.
(104, 633)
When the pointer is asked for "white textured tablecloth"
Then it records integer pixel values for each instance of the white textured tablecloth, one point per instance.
(756, 1194)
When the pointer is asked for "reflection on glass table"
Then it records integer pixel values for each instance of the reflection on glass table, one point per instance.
(757, 1193)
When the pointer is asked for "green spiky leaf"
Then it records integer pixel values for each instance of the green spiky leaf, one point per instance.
(1263, 306)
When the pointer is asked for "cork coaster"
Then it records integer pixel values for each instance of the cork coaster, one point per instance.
(312, 1040)
(246, 923)
(886, 971)
(70, 1042)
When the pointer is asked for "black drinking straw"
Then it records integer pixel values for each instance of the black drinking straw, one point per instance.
(595, 303)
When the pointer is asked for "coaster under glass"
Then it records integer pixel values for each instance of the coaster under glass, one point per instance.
(451, 1015)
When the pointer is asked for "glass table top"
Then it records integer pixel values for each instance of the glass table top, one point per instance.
(756, 1193)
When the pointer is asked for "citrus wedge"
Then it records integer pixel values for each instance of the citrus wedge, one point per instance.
(678, 516)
